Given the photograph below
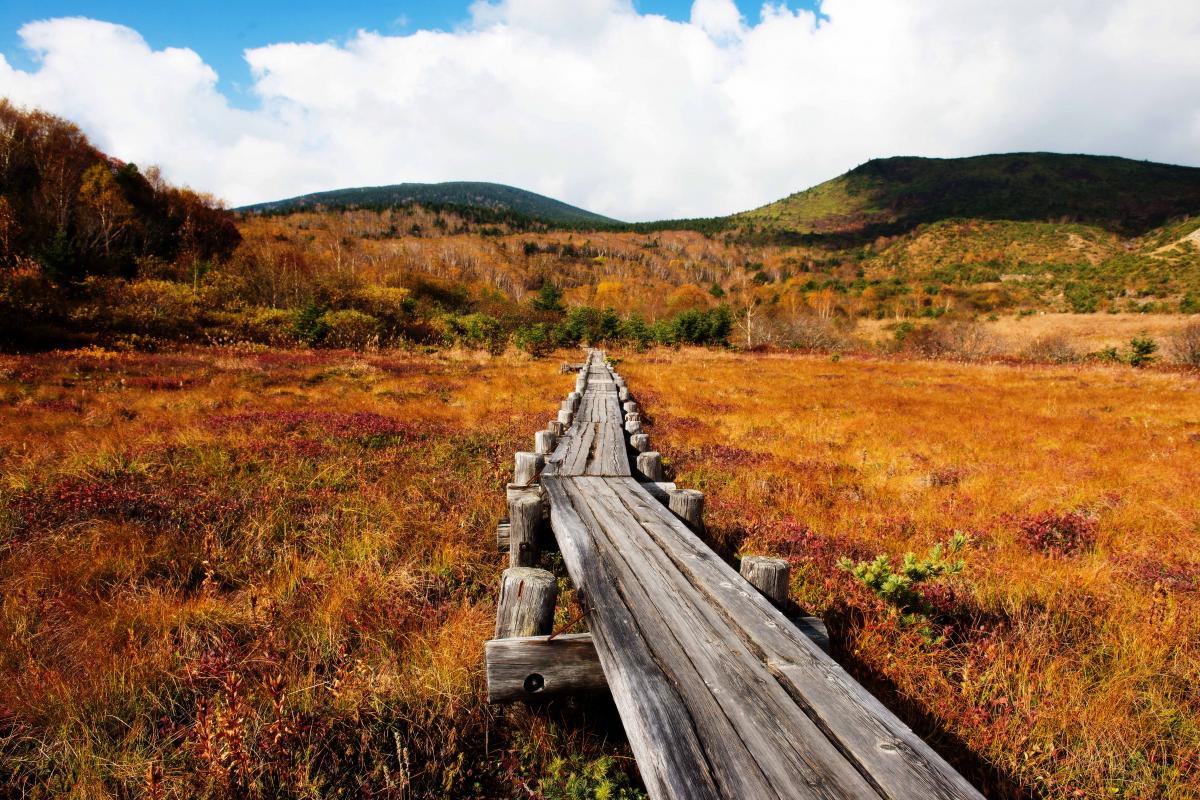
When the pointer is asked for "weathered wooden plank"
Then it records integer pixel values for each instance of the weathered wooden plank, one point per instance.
(792, 753)
(650, 707)
(884, 749)
(729, 759)
(531, 667)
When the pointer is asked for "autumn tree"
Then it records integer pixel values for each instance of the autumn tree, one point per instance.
(105, 213)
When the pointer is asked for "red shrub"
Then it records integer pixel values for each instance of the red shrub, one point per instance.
(1058, 534)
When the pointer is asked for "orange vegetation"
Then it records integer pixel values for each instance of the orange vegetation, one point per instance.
(1064, 661)
(270, 573)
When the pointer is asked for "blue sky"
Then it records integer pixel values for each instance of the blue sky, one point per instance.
(219, 30)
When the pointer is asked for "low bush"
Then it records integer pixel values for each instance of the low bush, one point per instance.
(1184, 345)
(1053, 348)
(1058, 534)
(351, 330)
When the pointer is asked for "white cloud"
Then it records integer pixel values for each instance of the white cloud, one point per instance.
(634, 115)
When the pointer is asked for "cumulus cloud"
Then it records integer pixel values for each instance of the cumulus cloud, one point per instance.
(634, 115)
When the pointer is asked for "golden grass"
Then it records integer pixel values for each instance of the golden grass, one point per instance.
(1014, 335)
(229, 573)
(1063, 675)
(232, 573)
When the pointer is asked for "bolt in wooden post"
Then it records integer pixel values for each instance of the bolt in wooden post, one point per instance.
(528, 465)
(524, 518)
(633, 427)
(526, 606)
(688, 505)
(543, 443)
(640, 442)
(650, 465)
(768, 575)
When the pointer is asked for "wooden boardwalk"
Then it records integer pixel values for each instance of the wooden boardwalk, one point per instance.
(720, 694)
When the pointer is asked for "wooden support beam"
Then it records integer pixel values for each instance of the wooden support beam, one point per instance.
(526, 605)
(530, 667)
(660, 490)
(814, 628)
(640, 442)
(769, 575)
(543, 443)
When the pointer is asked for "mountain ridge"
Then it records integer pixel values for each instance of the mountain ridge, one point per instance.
(892, 195)
(495, 197)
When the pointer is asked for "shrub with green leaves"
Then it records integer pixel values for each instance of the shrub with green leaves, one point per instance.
(898, 587)
(1141, 351)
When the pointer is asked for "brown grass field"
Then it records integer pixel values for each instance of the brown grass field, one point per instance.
(230, 573)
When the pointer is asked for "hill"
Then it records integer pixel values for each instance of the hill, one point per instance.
(894, 195)
(466, 194)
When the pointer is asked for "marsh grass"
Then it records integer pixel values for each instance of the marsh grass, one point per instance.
(1065, 658)
(233, 573)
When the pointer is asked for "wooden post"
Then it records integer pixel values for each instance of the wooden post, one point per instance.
(622, 394)
(630, 407)
(633, 427)
(650, 465)
(543, 443)
(564, 419)
(688, 505)
(768, 575)
(526, 606)
(633, 416)
(528, 465)
(556, 428)
(524, 518)
(640, 442)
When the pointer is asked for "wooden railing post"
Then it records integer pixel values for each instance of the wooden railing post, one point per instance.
(650, 465)
(527, 467)
(769, 575)
(524, 520)
(526, 606)
(543, 443)
(688, 505)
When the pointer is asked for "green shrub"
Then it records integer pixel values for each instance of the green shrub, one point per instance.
(479, 330)
(349, 329)
(1141, 351)
(536, 339)
(899, 587)
(309, 325)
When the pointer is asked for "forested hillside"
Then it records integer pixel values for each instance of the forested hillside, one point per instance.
(97, 251)
(504, 201)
